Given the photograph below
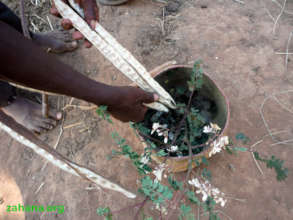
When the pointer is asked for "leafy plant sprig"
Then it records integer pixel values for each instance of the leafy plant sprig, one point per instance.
(157, 192)
(276, 164)
(127, 151)
(102, 112)
(106, 212)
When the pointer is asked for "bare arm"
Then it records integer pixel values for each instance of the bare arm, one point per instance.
(23, 62)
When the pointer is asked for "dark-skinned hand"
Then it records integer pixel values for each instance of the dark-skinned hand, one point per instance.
(91, 12)
(128, 103)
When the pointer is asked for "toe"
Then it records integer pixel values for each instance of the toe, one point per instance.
(55, 115)
(71, 46)
(51, 122)
(46, 126)
(40, 130)
(65, 47)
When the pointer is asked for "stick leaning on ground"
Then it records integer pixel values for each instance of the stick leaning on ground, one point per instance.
(27, 138)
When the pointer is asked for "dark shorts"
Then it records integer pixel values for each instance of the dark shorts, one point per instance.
(7, 92)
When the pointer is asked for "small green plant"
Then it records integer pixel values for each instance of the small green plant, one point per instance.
(186, 213)
(157, 192)
(276, 164)
(102, 112)
(186, 130)
(106, 212)
(127, 151)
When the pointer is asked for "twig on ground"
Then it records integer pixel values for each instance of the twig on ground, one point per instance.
(239, 200)
(282, 104)
(60, 134)
(282, 53)
(95, 187)
(270, 15)
(35, 27)
(161, 1)
(72, 125)
(282, 142)
(280, 6)
(56, 143)
(42, 184)
(40, 18)
(262, 114)
(140, 207)
(50, 23)
(255, 161)
(259, 142)
(279, 16)
(239, 1)
(81, 107)
(256, 143)
(287, 50)
(257, 164)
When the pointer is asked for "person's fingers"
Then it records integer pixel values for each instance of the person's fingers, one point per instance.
(54, 10)
(91, 10)
(77, 35)
(66, 24)
(93, 24)
(149, 97)
(97, 14)
(87, 44)
(78, 2)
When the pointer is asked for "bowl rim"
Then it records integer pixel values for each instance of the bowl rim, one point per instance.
(223, 131)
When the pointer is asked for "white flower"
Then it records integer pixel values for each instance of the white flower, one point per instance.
(161, 130)
(173, 148)
(206, 189)
(218, 145)
(207, 129)
(161, 208)
(155, 127)
(195, 182)
(159, 171)
(211, 128)
(145, 159)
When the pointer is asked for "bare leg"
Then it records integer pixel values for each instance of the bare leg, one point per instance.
(29, 114)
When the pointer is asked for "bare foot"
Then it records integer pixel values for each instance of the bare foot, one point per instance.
(55, 41)
(29, 114)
